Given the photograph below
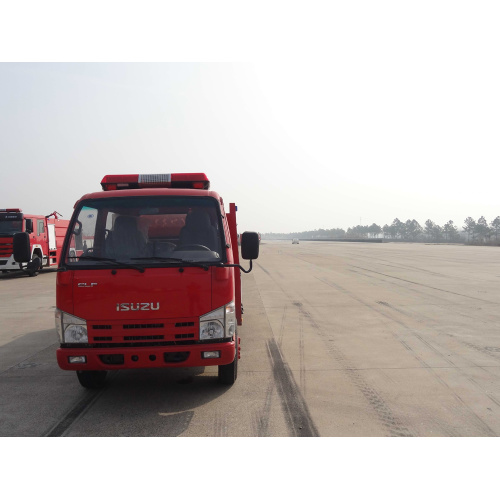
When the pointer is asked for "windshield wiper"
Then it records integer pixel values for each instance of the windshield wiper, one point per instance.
(176, 260)
(111, 261)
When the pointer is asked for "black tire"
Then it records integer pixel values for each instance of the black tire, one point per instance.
(92, 379)
(34, 266)
(229, 373)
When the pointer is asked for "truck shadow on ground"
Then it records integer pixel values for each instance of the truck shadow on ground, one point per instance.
(40, 399)
(147, 402)
(21, 274)
(12, 275)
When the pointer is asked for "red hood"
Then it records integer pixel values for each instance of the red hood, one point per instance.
(129, 294)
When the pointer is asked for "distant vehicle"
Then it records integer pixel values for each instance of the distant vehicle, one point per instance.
(295, 241)
(38, 240)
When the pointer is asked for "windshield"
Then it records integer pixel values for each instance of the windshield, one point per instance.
(145, 231)
(11, 223)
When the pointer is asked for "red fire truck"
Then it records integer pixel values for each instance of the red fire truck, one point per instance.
(41, 240)
(150, 277)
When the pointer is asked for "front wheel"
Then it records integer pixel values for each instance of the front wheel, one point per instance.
(34, 265)
(92, 379)
(229, 373)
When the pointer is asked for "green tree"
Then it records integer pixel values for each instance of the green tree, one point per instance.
(469, 227)
(429, 229)
(495, 226)
(437, 232)
(396, 227)
(482, 228)
(413, 229)
(403, 229)
(374, 230)
(450, 231)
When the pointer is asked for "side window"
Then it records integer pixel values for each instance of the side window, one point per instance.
(28, 225)
(88, 218)
(41, 227)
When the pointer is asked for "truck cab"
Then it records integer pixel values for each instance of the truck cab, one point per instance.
(30, 242)
(11, 222)
(149, 277)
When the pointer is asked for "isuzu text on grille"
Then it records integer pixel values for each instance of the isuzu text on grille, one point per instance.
(138, 306)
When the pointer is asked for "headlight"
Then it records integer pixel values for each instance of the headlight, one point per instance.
(75, 333)
(212, 325)
(211, 330)
(71, 330)
(218, 324)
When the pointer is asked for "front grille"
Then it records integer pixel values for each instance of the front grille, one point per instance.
(6, 249)
(116, 334)
(3, 262)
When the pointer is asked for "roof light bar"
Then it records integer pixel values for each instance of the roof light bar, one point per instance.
(138, 181)
(10, 210)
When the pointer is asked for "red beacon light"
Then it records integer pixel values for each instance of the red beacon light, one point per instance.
(138, 181)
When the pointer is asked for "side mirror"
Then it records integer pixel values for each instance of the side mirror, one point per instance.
(29, 226)
(249, 245)
(21, 247)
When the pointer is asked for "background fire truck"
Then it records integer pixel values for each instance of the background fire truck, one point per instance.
(40, 237)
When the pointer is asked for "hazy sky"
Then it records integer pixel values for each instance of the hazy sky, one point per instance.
(360, 115)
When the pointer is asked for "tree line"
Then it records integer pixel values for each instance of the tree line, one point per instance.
(472, 232)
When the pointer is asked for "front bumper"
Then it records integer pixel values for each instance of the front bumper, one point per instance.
(118, 358)
(7, 263)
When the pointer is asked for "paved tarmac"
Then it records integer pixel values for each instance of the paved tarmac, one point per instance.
(388, 339)
(339, 339)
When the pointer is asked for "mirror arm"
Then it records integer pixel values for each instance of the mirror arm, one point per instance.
(237, 265)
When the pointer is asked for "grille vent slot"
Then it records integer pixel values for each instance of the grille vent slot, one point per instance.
(180, 325)
(103, 339)
(149, 325)
(101, 327)
(148, 337)
(185, 336)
